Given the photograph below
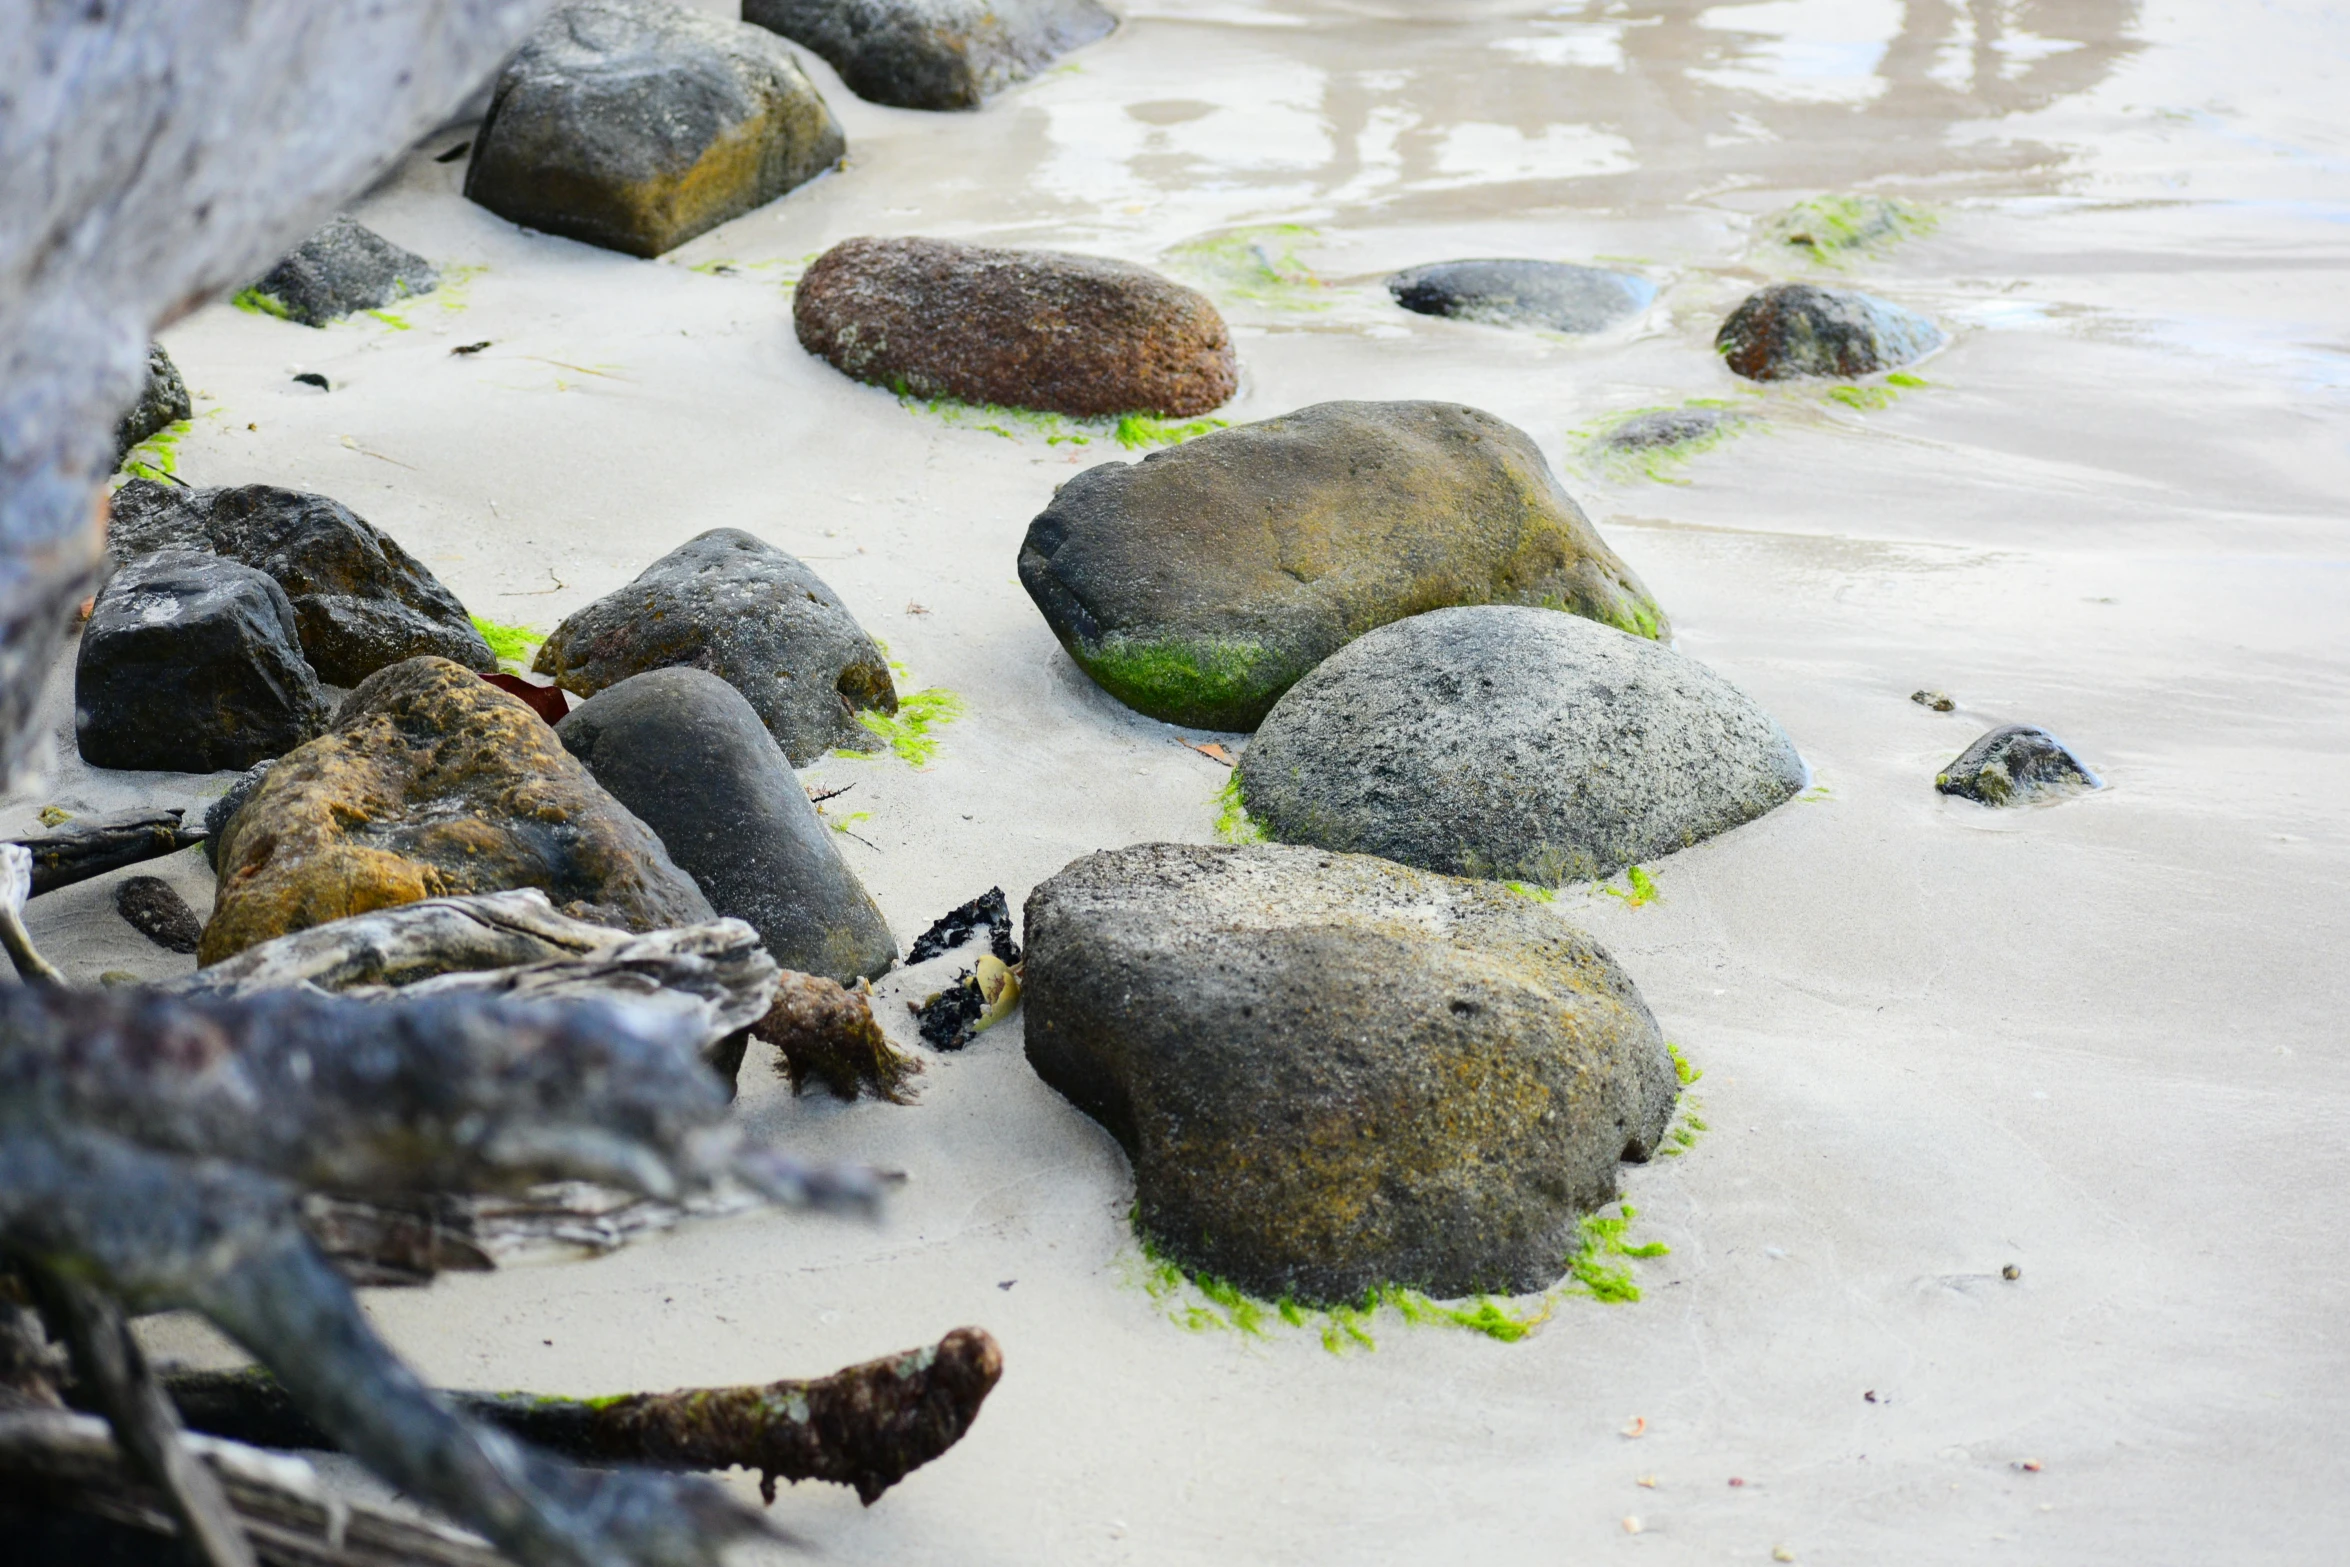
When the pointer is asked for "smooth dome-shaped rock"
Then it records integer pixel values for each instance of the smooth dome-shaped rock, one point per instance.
(2016, 764)
(1789, 330)
(934, 54)
(344, 267)
(1547, 295)
(1332, 1073)
(1519, 744)
(637, 124)
(1199, 584)
(750, 614)
(689, 757)
(431, 782)
(191, 664)
(361, 602)
(1043, 329)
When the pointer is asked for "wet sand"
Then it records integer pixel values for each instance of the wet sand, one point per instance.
(2101, 1042)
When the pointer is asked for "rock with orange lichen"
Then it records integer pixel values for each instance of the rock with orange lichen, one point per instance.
(431, 782)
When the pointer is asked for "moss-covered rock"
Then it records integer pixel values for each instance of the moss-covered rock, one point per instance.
(429, 783)
(344, 267)
(163, 401)
(934, 54)
(1332, 1073)
(637, 124)
(1201, 583)
(2016, 764)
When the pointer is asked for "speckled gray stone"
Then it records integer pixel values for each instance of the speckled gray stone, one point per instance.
(1792, 330)
(1548, 295)
(2017, 764)
(342, 268)
(1520, 744)
(1333, 1073)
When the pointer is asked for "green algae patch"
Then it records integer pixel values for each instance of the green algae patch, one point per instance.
(1834, 229)
(509, 644)
(1639, 889)
(1258, 265)
(1133, 431)
(1527, 889)
(157, 456)
(1233, 823)
(1689, 1123)
(254, 302)
(1655, 443)
(907, 732)
(1192, 681)
(1881, 394)
(1593, 1267)
(395, 322)
(1141, 432)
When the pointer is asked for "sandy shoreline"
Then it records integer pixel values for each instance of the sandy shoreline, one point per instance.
(2101, 1042)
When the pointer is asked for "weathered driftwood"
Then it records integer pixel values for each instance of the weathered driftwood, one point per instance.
(53, 1461)
(161, 153)
(868, 1426)
(79, 850)
(408, 1241)
(827, 1035)
(16, 885)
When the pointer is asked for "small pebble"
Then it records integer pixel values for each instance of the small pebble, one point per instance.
(2011, 1272)
(1631, 1524)
(313, 378)
(1939, 701)
(150, 907)
(1782, 1553)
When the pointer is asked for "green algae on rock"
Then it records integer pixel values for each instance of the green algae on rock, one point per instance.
(1831, 228)
(1199, 584)
(2017, 764)
(1334, 1074)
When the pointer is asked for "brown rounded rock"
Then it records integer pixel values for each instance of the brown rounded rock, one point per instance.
(431, 783)
(1043, 329)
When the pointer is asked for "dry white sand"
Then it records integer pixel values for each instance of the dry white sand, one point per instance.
(2102, 1042)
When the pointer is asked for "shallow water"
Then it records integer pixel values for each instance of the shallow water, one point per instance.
(2101, 1041)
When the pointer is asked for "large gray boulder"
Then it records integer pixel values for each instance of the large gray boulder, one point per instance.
(344, 267)
(690, 758)
(190, 664)
(753, 616)
(636, 125)
(1519, 744)
(1793, 330)
(1332, 1073)
(362, 602)
(1199, 584)
(934, 54)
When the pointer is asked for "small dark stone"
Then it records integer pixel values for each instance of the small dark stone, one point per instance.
(753, 616)
(191, 664)
(986, 915)
(1800, 329)
(950, 1019)
(637, 124)
(362, 602)
(1540, 294)
(150, 907)
(934, 54)
(463, 349)
(218, 814)
(312, 378)
(342, 268)
(1078, 335)
(1666, 427)
(2016, 764)
(687, 754)
(1940, 702)
(163, 401)
(454, 153)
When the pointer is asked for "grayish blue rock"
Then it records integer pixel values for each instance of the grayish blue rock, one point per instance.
(1550, 295)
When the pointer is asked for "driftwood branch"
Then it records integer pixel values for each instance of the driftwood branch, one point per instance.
(868, 1426)
(827, 1036)
(15, 888)
(95, 845)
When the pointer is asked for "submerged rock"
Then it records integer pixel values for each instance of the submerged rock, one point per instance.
(637, 124)
(934, 54)
(1199, 584)
(191, 664)
(1042, 329)
(1666, 427)
(1333, 1073)
(343, 268)
(1800, 329)
(1513, 743)
(163, 402)
(1829, 226)
(750, 614)
(361, 601)
(433, 783)
(687, 754)
(2017, 764)
(1551, 295)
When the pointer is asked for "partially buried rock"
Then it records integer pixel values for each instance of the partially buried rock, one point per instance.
(934, 54)
(163, 401)
(432, 783)
(361, 601)
(1790, 330)
(1201, 583)
(344, 267)
(1667, 427)
(1332, 1073)
(637, 124)
(1041, 329)
(753, 616)
(2017, 764)
(191, 664)
(683, 751)
(149, 906)
(1549, 295)
(1514, 743)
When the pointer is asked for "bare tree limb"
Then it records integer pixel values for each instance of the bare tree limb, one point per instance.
(15, 887)
(95, 845)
